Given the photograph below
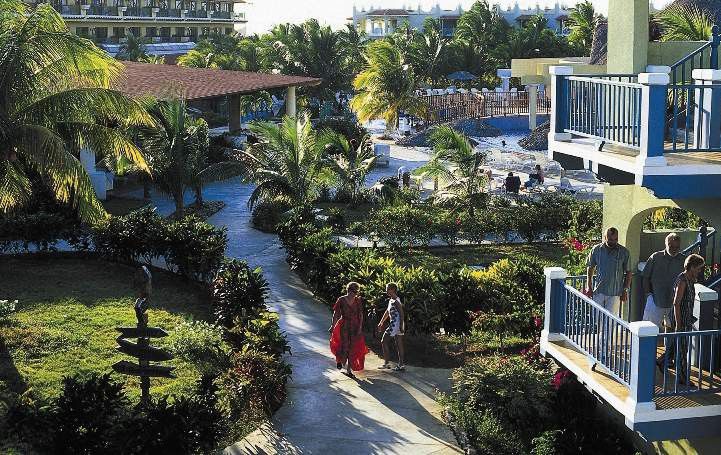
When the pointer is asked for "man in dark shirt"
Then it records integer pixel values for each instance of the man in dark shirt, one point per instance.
(513, 183)
(659, 275)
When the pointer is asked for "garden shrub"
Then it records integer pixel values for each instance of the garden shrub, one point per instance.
(237, 291)
(448, 226)
(514, 391)
(201, 344)
(259, 332)
(86, 414)
(346, 125)
(178, 425)
(254, 385)
(195, 248)
(39, 230)
(460, 296)
(267, 214)
(402, 226)
(336, 219)
(136, 237)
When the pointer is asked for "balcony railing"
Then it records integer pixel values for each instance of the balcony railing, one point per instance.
(138, 12)
(196, 14)
(99, 10)
(70, 10)
(221, 15)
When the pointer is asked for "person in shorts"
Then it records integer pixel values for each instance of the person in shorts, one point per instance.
(396, 327)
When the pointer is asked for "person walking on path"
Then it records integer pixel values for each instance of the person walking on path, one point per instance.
(396, 327)
(609, 261)
(347, 342)
(681, 315)
(659, 274)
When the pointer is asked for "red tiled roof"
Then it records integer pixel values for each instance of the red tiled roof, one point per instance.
(388, 12)
(138, 79)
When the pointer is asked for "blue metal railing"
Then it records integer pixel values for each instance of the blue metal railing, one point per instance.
(690, 364)
(603, 337)
(704, 57)
(602, 108)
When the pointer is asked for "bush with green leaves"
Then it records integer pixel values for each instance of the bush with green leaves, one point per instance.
(40, 231)
(402, 226)
(346, 125)
(86, 415)
(336, 219)
(238, 291)
(195, 248)
(139, 236)
(254, 385)
(258, 332)
(267, 214)
(201, 344)
(509, 387)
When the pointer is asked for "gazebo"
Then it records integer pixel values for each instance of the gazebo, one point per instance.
(207, 84)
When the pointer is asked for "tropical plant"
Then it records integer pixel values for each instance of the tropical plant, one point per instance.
(238, 291)
(582, 22)
(55, 100)
(350, 164)
(483, 30)
(177, 151)
(429, 54)
(459, 167)
(133, 49)
(385, 87)
(286, 163)
(685, 23)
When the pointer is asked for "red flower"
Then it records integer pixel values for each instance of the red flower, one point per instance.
(560, 378)
(458, 221)
(537, 322)
(577, 245)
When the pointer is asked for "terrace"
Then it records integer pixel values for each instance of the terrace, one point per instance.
(616, 359)
(654, 129)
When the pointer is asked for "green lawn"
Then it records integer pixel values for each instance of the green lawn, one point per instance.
(66, 317)
(479, 255)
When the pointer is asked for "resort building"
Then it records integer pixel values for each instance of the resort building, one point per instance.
(648, 122)
(379, 22)
(171, 27)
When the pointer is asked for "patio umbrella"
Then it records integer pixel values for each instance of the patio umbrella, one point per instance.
(461, 76)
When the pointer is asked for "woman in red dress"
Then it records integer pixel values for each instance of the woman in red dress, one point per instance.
(347, 342)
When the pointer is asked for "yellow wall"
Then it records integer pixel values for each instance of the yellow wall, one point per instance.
(706, 446)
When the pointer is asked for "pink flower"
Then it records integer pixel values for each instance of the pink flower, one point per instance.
(458, 221)
(560, 378)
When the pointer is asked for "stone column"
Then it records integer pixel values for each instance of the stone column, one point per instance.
(627, 36)
(707, 113)
(290, 102)
(234, 113)
(505, 75)
(532, 106)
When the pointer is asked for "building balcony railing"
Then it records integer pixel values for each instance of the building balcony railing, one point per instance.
(221, 15)
(617, 360)
(197, 14)
(99, 10)
(70, 10)
(135, 11)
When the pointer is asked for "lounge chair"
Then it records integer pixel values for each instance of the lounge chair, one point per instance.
(567, 187)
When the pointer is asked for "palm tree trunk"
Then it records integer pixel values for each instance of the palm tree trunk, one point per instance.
(199, 196)
(179, 205)
(146, 189)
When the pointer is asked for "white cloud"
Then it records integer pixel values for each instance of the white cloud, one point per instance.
(264, 14)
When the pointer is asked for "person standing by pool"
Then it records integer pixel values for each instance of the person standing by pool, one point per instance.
(396, 327)
(609, 261)
(347, 342)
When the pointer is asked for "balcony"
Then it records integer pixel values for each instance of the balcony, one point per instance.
(196, 14)
(616, 360)
(660, 129)
(170, 13)
(68, 10)
(221, 15)
(99, 10)
(138, 12)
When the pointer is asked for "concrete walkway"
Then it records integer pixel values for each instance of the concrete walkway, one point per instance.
(327, 412)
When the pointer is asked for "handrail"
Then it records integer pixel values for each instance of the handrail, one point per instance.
(711, 233)
(691, 55)
(604, 82)
(589, 300)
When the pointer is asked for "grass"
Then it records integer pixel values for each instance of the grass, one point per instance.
(66, 316)
(478, 255)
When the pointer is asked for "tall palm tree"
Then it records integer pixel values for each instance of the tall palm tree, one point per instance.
(582, 22)
(350, 163)
(429, 50)
(55, 100)
(286, 163)
(177, 152)
(385, 87)
(483, 29)
(685, 23)
(458, 166)
(133, 49)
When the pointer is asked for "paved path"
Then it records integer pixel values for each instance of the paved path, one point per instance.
(327, 412)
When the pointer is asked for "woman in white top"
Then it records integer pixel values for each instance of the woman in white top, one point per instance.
(395, 329)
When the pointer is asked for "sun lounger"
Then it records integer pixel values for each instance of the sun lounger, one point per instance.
(567, 187)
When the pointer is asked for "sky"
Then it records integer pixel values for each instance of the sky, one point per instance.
(264, 14)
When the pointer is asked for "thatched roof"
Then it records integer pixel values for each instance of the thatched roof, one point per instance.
(710, 7)
(599, 48)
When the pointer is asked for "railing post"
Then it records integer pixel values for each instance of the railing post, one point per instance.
(643, 366)
(559, 107)
(555, 306)
(707, 118)
(715, 41)
(532, 106)
(703, 309)
(653, 117)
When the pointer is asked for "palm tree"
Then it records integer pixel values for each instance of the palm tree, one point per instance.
(177, 151)
(385, 87)
(349, 162)
(133, 49)
(286, 163)
(458, 166)
(484, 30)
(54, 101)
(685, 23)
(197, 59)
(582, 22)
(429, 51)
